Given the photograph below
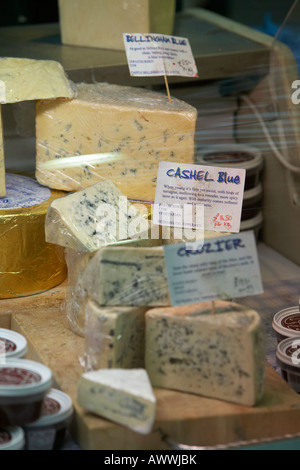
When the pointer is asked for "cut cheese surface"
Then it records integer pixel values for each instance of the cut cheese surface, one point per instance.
(112, 132)
(124, 396)
(88, 219)
(29, 79)
(76, 293)
(89, 23)
(217, 355)
(127, 276)
(115, 337)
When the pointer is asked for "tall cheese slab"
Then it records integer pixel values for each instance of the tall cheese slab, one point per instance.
(28, 264)
(88, 219)
(101, 23)
(115, 337)
(2, 161)
(112, 132)
(127, 276)
(124, 396)
(219, 355)
(29, 79)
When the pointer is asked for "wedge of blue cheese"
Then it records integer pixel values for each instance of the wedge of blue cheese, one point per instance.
(214, 353)
(124, 396)
(127, 276)
(112, 132)
(115, 337)
(88, 219)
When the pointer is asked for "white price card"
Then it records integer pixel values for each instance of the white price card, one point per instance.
(159, 54)
(224, 267)
(218, 191)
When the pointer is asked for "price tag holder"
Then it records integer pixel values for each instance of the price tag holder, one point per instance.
(218, 190)
(159, 54)
(224, 267)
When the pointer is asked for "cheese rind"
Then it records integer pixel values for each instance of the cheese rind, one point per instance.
(124, 396)
(127, 276)
(29, 79)
(115, 337)
(88, 219)
(112, 132)
(217, 355)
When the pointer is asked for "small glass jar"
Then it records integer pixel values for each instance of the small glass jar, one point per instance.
(286, 323)
(12, 438)
(48, 432)
(23, 387)
(12, 344)
(288, 359)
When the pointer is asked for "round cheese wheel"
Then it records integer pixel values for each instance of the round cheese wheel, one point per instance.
(28, 265)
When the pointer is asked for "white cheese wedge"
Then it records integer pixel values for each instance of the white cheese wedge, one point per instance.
(112, 132)
(2, 161)
(115, 337)
(88, 219)
(89, 22)
(217, 355)
(124, 396)
(29, 79)
(127, 276)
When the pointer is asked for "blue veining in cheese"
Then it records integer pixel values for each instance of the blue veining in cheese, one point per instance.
(124, 396)
(127, 276)
(88, 219)
(221, 355)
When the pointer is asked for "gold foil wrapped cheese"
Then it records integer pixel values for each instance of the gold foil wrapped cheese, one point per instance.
(28, 265)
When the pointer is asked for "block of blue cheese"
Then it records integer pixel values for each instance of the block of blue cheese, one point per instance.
(23, 79)
(112, 132)
(115, 337)
(129, 276)
(88, 219)
(218, 354)
(124, 396)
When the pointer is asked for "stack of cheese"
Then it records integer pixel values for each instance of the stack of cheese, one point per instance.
(28, 264)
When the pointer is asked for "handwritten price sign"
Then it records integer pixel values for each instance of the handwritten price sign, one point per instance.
(158, 54)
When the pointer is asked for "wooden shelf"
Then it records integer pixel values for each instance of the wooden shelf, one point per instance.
(218, 52)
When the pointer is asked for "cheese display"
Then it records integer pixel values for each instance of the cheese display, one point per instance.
(112, 132)
(130, 276)
(88, 219)
(221, 355)
(2, 162)
(124, 396)
(115, 337)
(28, 264)
(29, 79)
(76, 293)
(88, 23)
